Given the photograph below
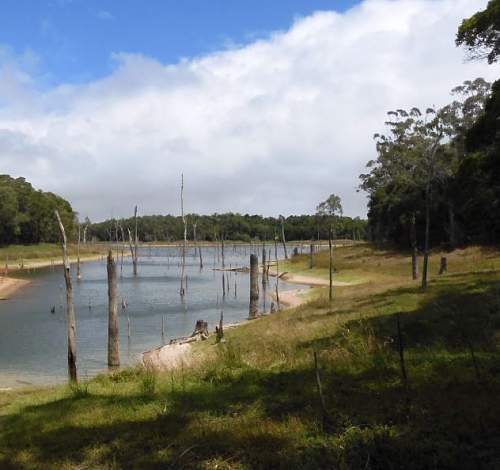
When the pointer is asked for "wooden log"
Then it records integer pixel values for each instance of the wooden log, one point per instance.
(254, 287)
(70, 308)
(113, 325)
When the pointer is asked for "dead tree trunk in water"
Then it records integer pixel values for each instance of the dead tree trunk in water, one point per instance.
(113, 337)
(70, 308)
(263, 264)
(182, 289)
(254, 287)
(413, 239)
(134, 260)
(78, 274)
(131, 246)
(277, 273)
(222, 251)
(283, 235)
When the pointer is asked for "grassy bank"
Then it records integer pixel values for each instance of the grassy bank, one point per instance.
(17, 255)
(253, 401)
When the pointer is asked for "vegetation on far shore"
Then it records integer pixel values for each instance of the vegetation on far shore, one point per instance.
(252, 401)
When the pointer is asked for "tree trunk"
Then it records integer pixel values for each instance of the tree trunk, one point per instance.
(413, 240)
(263, 264)
(254, 287)
(283, 236)
(311, 256)
(113, 325)
(428, 201)
(182, 290)
(222, 251)
(427, 232)
(134, 260)
(70, 308)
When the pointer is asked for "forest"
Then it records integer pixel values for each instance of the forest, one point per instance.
(438, 170)
(27, 214)
(231, 226)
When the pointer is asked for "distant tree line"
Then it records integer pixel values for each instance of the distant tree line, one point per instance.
(27, 215)
(229, 226)
(438, 171)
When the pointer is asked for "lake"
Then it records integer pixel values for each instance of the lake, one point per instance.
(33, 341)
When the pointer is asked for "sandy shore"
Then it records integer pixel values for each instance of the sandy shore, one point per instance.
(172, 356)
(46, 263)
(9, 286)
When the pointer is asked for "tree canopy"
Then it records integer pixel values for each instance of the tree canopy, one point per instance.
(27, 215)
(481, 33)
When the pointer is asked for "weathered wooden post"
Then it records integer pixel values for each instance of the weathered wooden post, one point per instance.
(113, 326)
(443, 268)
(311, 256)
(254, 287)
(70, 308)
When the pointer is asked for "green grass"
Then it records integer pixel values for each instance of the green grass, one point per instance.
(253, 403)
(43, 252)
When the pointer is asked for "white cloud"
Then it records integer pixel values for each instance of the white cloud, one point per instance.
(272, 127)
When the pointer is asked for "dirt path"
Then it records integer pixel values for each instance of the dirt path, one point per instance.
(9, 286)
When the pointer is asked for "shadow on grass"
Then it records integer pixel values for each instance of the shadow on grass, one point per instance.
(239, 415)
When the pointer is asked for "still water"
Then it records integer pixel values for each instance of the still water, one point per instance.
(33, 344)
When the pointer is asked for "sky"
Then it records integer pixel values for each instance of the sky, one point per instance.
(265, 107)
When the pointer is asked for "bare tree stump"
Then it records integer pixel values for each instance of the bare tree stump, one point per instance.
(70, 308)
(220, 329)
(200, 330)
(113, 336)
(254, 287)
